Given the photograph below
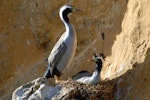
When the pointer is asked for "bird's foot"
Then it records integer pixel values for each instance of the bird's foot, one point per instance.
(58, 80)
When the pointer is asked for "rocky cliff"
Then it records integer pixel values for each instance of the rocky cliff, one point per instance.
(129, 62)
(30, 28)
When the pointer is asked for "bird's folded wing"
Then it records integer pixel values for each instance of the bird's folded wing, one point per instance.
(57, 54)
(81, 74)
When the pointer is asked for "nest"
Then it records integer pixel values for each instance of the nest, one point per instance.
(105, 90)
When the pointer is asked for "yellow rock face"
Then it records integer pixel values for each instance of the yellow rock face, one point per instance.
(131, 53)
(30, 28)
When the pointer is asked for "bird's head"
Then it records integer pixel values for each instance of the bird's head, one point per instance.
(65, 10)
(68, 9)
(98, 59)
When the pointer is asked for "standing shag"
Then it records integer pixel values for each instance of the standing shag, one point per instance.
(64, 50)
(91, 78)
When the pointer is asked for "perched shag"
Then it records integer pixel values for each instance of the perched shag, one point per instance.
(64, 50)
(93, 78)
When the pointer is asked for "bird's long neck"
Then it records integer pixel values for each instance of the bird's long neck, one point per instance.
(96, 73)
(99, 66)
(70, 31)
(67, 23)
(69, 28)
(97, 70)
(65, 17)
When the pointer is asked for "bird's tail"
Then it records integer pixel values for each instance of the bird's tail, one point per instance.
(48, 73)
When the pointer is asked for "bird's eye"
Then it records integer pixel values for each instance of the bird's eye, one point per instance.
(95, 59)
(72, 8)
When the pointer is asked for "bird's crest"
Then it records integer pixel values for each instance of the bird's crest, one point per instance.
(98, 56)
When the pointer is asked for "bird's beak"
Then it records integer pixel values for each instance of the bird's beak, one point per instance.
(78, 10)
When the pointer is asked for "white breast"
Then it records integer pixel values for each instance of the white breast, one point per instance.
(94, 79)
(70, 39)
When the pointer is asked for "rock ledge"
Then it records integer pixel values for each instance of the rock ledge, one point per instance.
(42, 89)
